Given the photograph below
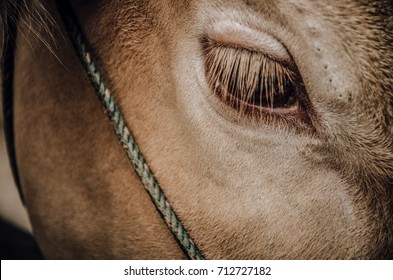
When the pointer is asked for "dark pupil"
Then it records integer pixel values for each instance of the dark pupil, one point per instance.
(270, 95)
(276, 97)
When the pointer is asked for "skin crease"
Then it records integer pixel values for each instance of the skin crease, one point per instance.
(243, 190)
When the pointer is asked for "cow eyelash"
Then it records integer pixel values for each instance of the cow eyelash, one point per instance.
(250, 82)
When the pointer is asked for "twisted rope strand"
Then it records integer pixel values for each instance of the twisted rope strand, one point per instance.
(127, 140)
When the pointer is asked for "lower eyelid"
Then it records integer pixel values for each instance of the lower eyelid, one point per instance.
(288, 121)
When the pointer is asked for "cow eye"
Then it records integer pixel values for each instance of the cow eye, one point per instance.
(252, 83)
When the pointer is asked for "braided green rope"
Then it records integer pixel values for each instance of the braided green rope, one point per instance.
(131, 148)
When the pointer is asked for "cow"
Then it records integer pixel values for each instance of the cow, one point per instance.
(268, 125)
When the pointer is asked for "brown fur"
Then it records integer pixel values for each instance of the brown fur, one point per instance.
(242, 190)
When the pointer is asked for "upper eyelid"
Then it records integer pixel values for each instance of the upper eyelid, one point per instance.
(232, 33)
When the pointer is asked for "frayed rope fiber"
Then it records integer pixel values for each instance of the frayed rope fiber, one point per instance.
(131, 148)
